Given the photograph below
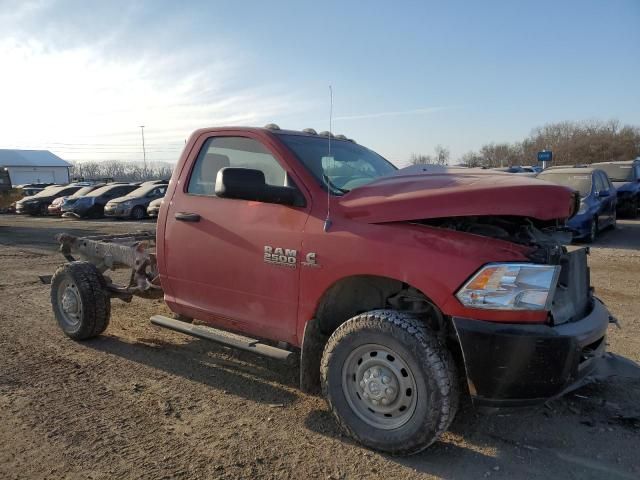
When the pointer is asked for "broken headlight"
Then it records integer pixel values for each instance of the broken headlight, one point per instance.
(511, 286)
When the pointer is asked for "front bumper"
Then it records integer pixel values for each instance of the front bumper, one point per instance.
(518, 364)
(54, 209)
(27, 209)
(581, 225)
(116, 211)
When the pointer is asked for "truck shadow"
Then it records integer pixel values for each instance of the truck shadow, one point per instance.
(588, 434)
(238, 373)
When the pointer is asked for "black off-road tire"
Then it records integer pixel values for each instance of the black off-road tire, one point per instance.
(429, 361)
(87, 287)
(138, 213)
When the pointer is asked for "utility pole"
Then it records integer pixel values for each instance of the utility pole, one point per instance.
(144, 152)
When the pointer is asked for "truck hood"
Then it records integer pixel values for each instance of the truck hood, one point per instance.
(441, 195)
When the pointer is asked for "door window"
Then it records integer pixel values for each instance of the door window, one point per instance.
(157, 192)
(238, 152)
(600, 183)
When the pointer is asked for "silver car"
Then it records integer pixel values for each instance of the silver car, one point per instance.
(134, 205)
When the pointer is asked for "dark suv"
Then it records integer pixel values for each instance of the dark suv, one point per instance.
(626, 178)
(134, 205)
(92, 204)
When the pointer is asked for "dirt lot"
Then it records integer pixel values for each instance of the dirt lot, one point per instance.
(141, 402)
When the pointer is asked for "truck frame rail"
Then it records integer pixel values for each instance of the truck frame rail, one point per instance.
(111, 252)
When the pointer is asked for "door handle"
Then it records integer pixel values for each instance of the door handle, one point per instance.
(187, 217)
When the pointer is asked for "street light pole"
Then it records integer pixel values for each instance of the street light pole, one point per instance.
(144, 152)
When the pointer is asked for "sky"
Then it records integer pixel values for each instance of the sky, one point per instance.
(79, 78)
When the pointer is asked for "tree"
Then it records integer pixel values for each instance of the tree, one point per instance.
(121, 171)
(571, 143)
(440, 157)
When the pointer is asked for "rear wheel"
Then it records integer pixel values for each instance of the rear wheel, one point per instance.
(80, 301)
(389, 381)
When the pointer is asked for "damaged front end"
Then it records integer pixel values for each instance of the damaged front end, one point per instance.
(511, 363)
(111, 252)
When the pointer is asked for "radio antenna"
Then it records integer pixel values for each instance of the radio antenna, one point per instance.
(327, 221)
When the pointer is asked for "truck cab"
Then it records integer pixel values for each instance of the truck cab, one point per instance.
(395, 289)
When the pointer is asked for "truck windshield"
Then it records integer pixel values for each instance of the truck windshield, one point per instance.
(348, 166)
(619, 172)
(580, 182)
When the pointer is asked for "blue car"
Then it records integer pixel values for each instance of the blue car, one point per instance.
(598, 199)
(626, 178)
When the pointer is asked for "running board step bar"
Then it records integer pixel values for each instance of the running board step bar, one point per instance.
(225, 338)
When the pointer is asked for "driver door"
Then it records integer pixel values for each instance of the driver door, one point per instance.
(215, 247)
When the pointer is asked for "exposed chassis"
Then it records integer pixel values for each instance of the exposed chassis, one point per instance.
(110, 252)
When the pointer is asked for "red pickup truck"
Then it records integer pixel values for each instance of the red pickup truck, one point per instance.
(393, 290)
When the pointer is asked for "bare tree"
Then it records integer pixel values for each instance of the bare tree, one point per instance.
(419, 159)
(440, 157)
(571, 143)
(121, 171)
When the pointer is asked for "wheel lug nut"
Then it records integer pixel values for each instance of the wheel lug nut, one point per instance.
(375, 402)
(365, 395)
(386, 380)
(384, 401)
(362, 384)
(389, 391)
(376, 373)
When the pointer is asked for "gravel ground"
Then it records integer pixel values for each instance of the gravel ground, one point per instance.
(142, 402)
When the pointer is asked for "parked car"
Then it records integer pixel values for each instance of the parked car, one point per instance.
(625, 176)
(92, 204)
(38, 204)
(56, 206)
(388, 289)
(525, 171)
(154, 207)
(134, 205)
(597, 199)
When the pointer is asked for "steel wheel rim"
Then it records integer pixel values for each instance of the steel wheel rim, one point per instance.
(379, 386)
(70, 304)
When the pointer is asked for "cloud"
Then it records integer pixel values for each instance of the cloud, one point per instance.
(80, 82)
(65, 100)
(417, 111)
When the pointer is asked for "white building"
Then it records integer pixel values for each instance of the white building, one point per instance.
(34, 166)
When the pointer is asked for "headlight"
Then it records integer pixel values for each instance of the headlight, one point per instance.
(511, 286)
(126, 204)
(583, 208)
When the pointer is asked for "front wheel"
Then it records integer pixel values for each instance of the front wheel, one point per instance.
(138, 213)
(80, 301)
(389, 381)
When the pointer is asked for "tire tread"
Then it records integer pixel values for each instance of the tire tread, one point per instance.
(436, 358)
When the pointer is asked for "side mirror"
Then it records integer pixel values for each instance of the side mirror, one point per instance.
(250, 184)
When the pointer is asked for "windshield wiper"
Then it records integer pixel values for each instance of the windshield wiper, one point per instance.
(333, 185)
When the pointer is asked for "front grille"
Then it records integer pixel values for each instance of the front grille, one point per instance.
(572, 299)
